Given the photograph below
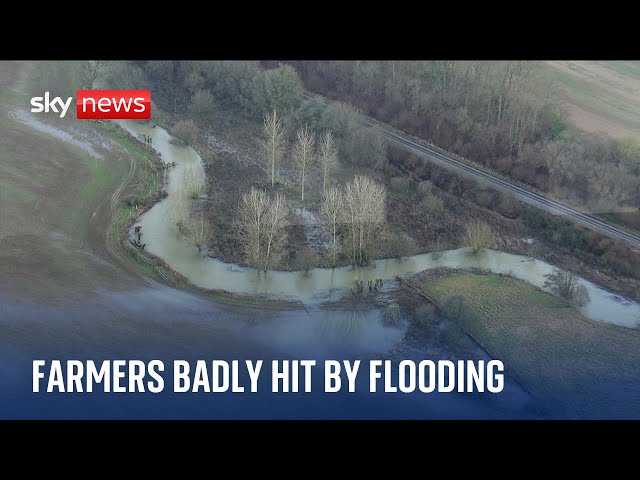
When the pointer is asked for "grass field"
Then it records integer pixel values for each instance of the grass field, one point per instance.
(601, 96)
(582, 368)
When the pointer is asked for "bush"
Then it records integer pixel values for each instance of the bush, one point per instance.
(425, 315)
(185, 130)
(193, 181)
(357, 286)
(363, 147)
(432, 204)
(508, 206)
(565, 284)
(478, 236)
(391, 315)
(581, 296)
(401, 245)
(202, 103)
(198, 230)
(485, 198)
(425, 188)
(306, 261)
(282, 88)
(400, 184)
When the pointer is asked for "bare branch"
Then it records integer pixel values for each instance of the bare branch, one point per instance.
(303, 154)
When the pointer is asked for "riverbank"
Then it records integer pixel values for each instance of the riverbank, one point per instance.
(552, 349)
(431, 208)
(138, 193)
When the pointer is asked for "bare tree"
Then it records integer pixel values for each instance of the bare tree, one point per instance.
(478, 236)
(198, 230)
(330, 210)
(365, 214)
(275, 231)
(193, 181)
(261, 227)
(92, 72)
(250, 223)
(328, 158)
(303, 154)
(177, 209)
(565, 284)
(274, 141)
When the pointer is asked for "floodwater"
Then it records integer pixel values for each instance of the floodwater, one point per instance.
(324, 284)
(26, 118)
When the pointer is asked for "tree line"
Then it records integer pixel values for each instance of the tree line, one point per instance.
(505, 115)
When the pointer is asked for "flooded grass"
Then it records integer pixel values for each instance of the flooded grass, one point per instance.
(549, 346)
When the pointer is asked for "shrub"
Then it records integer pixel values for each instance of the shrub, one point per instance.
(581, 296)
(357, 286)
(432, 204)
(400, 184)
(193, 181)
(198, 230)
(391, 315)
(306, 261)
(485, 198)
(203, 103)
(425, 315)
(478, 236)
(565, 284)
(425, 188)
(508, 206)
(402, 245)
(186, 131)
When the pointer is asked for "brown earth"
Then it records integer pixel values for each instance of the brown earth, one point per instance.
(601, 96)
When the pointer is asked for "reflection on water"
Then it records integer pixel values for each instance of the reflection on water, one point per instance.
(160, 235)
(344, 327)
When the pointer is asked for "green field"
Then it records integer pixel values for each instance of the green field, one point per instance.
(600, 96)
(578, 365)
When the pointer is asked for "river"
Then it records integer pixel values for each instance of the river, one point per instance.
(325, 284)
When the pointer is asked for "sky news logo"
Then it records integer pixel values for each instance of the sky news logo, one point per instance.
(99, 104)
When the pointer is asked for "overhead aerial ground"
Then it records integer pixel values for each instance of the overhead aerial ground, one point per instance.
(327, 210)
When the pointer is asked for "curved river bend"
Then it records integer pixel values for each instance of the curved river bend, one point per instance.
(162, 239)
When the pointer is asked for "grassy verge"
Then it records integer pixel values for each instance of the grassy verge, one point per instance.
(582, 368)
(143, 191)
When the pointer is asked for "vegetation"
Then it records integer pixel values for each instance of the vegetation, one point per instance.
(203, 104)
(328, 158)
(261, 228)
(565, 284)
(303, 155)
(546, 344)
(505, 115)
(193, 181)
(357, 286)
(198, 230)
(185, 130)
(274, 142)
(331, 212)
(425, 315)
(478, 236)
(365, 216)
(391, 315)
(428, 202)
